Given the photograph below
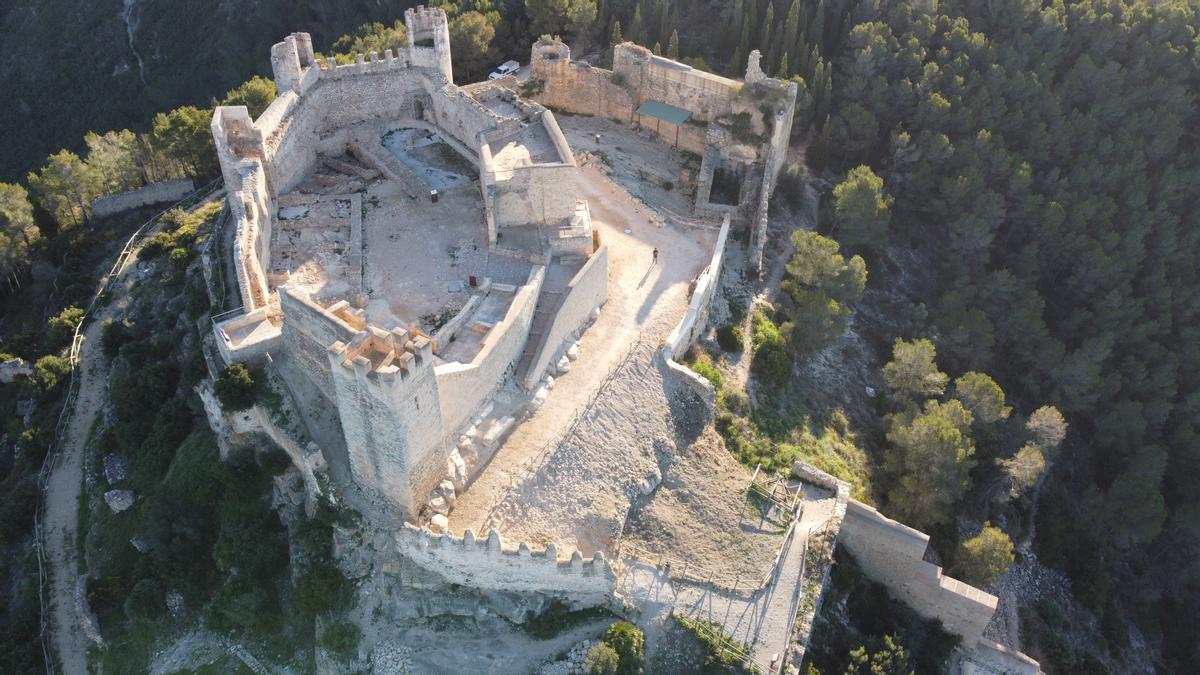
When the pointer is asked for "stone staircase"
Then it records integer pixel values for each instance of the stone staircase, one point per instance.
(547, 306)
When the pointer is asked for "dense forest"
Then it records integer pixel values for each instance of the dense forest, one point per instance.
(1012, 193)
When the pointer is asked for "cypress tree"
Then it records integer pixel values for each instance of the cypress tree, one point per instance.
(635, 28)
(657, 49)
(791, 27)
(673, 46)
(764, 40)
(743, 50)
(783, 71)
(737, 17)
(664, 21)
(615, 37)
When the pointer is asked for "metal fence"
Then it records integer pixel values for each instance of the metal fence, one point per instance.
(50, 462)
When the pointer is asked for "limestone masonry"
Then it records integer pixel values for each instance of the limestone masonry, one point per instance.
(417, 263)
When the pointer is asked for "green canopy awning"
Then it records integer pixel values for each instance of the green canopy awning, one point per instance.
(665, 112)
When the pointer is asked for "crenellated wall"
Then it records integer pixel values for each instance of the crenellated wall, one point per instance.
(486, 564)
(465, 387)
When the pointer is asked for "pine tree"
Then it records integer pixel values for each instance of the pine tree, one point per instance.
(673, 46)
(615, 37)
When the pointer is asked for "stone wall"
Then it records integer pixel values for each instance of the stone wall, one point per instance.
(893, 554)
(587, 290)
(387, 400)
(154, 193)
(308, 330)
(487, 565)
(651, 77)
(578, 88)
(460, 116)
(464, 387)
(695, 321)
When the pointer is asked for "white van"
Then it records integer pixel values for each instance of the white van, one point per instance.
(506, 68)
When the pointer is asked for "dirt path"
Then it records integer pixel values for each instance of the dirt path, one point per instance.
(68, 623)
(644, 303)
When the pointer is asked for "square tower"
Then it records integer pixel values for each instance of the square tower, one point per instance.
(387, 399)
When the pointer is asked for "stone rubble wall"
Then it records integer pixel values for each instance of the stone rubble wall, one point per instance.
(587, 291)
(154, 193)
(464, 388)
(893, 554)
(706, 95)
(487, 565)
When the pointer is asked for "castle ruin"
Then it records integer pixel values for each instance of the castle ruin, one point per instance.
(418, 260)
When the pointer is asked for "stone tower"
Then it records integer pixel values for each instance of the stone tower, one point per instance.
(289, 59)
(387, 399)
(429, 39)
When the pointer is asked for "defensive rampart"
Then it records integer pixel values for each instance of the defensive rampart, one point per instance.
(893, 554)
(154, 193)
(486, 564)
(695, 321)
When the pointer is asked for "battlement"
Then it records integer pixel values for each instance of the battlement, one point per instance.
(383, 357)
(487, 564)
(422, 22)
(429, 39)
(289, 59)
(368, 63)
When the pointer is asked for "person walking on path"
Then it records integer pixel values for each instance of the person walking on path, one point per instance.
(655, 261)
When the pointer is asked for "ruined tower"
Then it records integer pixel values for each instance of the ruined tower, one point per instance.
(288, 60)
(429, 39)
(387, 399)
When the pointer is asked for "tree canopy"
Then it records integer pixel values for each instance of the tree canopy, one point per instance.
(822, 286)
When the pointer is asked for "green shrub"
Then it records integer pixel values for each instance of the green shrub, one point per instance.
(629, 643)
(603, 660)
(146, 601)
(341, 639)
(770, 361)
(730, 338)
(180, 257)
(708, 370)
(113, 335)
(320, 589)
(60, 329)
(49, 372)
(235, 387)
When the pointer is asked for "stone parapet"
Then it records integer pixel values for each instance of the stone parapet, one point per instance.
(488, 565)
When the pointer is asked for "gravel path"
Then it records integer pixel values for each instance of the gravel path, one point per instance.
(62, 490)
